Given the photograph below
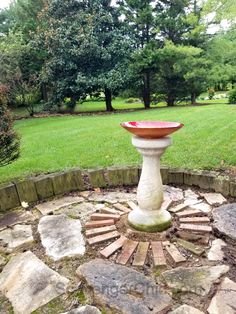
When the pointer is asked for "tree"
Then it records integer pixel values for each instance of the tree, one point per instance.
(178, 68)
(140, 19)
(221, 51)
(87, 48)
(9, 141)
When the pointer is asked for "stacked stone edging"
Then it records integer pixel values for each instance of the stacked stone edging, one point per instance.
(32, 190)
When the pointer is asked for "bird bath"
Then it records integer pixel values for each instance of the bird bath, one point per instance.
(151, 140)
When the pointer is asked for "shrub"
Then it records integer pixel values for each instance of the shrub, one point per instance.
(9, 140)
(211, 93)
(232, 97)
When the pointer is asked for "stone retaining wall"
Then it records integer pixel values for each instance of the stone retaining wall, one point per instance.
(32, 190)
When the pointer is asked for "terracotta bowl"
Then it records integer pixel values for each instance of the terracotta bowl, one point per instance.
(151, 129)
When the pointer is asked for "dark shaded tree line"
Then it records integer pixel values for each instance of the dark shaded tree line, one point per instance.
(61, 51)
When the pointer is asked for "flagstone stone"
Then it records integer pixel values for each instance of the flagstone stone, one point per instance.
(16, 237)
(186, 309)
(122, 289)
(49, 207)
(216, 253)
(2, 260)
(29, 284)
(214, 199)
(112, 197)
(224, 300)
(14, 218)
(205, 208)
(61, 236)
(225, 220)
(198, 280)
(87, 309)
(175, 194)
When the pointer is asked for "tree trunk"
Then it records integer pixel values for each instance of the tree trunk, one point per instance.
(193, 98)
(170, 100)
(44, 92)
(108, 97)
(147, 91)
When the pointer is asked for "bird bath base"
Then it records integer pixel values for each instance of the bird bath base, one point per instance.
(148, 216)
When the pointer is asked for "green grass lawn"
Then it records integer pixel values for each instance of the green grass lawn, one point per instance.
(57, 143)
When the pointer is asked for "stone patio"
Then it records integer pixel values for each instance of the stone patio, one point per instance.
(77, 254)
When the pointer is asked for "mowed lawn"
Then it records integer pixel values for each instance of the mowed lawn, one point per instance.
(207, 141)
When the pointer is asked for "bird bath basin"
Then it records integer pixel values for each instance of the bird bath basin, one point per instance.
(151, 129)
(151, 140)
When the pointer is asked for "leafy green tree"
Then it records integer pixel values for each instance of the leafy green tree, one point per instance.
(221, 51)
(178, 68)
(9, 140)
(87, 48)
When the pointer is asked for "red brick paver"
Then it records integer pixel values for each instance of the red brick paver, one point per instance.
(127, 251)
(195, 220)
(98, 216)
(175, 254)
(158, 254)
(103, 237)
(99, 223)
(122, 208)
(113, 247)
(141, 254)
(98, 231)
(190, 213)
(197, 228)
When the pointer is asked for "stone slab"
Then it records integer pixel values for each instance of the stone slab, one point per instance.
(216, 253)
(186, 309)
(3, 260)
(205, 208)
(26, 191)
(127, 251)
(224, 300)
(113, 247)
(15, 217)
(141, 254)
(122, 289)
(175, 194)
(97, 178)
(158, 254)
(29, 284)
(87, 309)
(8, 197)
(68, 181)
(16, 237)
(52, 206)
(198, 280)
(111, 197)
(225, 220)
(214, 199)
(44, 187)
(61, 236)
(195, 249)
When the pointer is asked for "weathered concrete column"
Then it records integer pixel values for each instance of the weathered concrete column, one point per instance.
(149, 216)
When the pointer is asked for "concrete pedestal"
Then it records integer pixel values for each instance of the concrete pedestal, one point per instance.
(148, 216)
